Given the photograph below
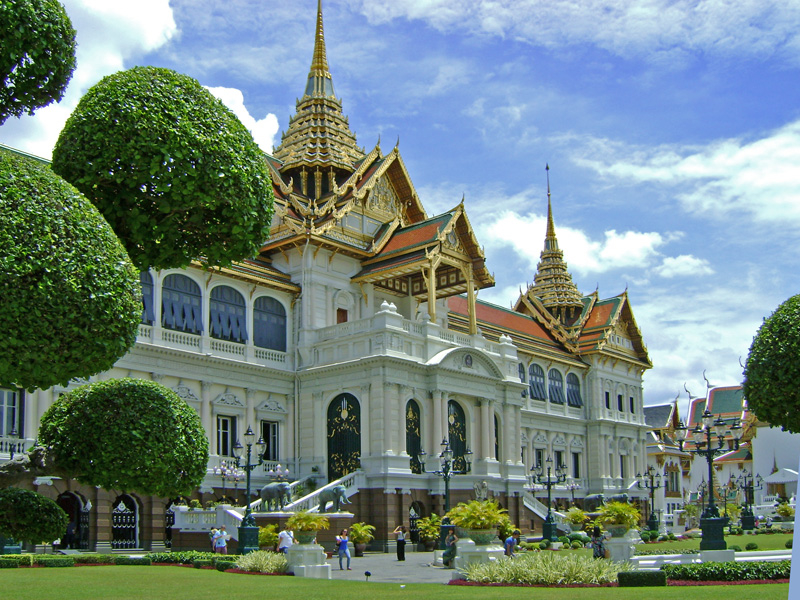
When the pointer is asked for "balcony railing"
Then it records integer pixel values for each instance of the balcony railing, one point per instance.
(160, 336)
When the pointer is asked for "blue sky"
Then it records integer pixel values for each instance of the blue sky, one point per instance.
(672, 131)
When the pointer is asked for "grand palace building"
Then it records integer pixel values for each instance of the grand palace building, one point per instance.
(355, 339)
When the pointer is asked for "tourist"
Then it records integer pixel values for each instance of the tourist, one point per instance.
(400, 531)
(221, 541)
(449, 548)
(511, 542)
(285, 539)
(598, 543)
(343, 549)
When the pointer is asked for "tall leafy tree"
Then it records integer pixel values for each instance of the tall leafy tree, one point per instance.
(772, 374)
(172, 169)
(71, 299)
(37, 55)
(126, 434)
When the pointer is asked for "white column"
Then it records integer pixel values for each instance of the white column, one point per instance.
(206, 416)
(250, 414)
(436, 433)
(403, 397)
(485, 442)
(489, 428)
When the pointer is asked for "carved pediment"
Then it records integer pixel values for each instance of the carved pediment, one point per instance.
(185, 393)
(228, 399)
(272, 405)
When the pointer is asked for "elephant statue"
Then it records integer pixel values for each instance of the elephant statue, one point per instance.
(277, 492)
(337, 495)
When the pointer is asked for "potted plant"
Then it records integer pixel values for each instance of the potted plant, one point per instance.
(576, 518)
(786, 513)
(306, 525)
(268, 537)
(429, 529)
(618, 517)
(479, 519)
(361, 534)
(195, 504)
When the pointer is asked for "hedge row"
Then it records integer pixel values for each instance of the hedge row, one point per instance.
(641, 578)
(728, 571)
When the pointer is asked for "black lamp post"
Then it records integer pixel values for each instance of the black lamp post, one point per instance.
(710, 522)
(748, 484)
(549, 530)
(650, 481)
(248, 530)
(446, 471)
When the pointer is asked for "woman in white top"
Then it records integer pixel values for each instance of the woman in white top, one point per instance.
(400, 530)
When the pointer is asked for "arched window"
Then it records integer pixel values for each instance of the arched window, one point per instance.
(574, 390)
(457, 434)
(269, 324)
(148, 310)
(181, 304)
(556, 386)
(536, 374)
(522, 372)
(227, 315)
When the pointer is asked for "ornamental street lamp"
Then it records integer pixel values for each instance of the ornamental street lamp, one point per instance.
(650, 481)
(710, 522)
(279, 473)
(248, 531)
(446, 471)
(228, 471)
(572, 486)
(748, 484)
(537, 476)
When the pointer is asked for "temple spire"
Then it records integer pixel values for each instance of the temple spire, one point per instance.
(553, 283)
(320, 82)
(318, 139)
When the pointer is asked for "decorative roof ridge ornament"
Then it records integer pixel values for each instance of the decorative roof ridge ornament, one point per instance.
(320, 82)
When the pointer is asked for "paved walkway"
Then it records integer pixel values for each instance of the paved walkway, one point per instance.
(385, 567)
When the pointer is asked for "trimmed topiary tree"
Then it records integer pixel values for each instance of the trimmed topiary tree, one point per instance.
(773, 368)
(30, 517)
(127, 434)
(38, 55)
(172, 169)
(71, 298)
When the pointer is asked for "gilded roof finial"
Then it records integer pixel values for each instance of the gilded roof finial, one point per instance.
(553, 282)
(320, 82)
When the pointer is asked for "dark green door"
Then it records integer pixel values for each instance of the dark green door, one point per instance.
(344, 436)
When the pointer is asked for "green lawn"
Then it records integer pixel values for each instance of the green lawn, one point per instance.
(121, 583)
(772, 541)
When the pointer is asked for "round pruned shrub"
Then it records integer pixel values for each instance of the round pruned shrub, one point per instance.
(38, 55)
(735, 548)
(71, 297)
(544, 544)
(751, 546)
(645, 535)
(127, 434)
(172, 169)
(29, 516)
(788, 544)
(576, 545)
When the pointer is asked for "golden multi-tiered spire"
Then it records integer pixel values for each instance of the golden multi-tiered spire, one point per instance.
(553, 283)
(318, 139)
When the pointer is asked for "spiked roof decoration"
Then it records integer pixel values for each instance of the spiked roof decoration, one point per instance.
(319, 136)
(553, 285)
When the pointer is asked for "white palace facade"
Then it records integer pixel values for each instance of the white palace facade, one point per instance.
(355, 339)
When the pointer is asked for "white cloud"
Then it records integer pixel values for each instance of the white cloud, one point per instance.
(731, 177)
(525, 235)
(663, 29)
(108, 35)
(263, 130)
(682, 266)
